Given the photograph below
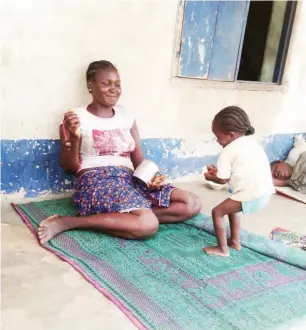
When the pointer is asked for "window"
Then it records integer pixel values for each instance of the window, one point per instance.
(235, 40)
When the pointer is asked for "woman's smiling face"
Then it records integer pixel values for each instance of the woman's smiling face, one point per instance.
(106, 87)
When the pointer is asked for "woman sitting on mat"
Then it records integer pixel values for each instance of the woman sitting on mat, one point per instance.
(103, 148)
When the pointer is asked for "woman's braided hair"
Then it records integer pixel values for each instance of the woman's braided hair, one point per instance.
(234, 119)
(95, 67)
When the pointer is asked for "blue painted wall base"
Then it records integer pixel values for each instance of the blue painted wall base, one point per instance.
(32, 165)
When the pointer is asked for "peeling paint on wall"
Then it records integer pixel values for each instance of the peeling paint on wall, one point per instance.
(194, 148)
(31, 167)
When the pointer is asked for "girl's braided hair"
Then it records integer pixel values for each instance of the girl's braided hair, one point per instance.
(234, 119)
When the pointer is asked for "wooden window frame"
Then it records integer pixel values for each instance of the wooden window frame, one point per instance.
(281, 56)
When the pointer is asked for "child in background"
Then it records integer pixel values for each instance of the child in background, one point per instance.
(244, 164)
(286, 175)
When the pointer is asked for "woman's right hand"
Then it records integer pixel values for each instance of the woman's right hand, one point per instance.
(70, 142)
(72, 124)
(157, 182)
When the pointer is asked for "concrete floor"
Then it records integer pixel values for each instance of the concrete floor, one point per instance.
(40, 292)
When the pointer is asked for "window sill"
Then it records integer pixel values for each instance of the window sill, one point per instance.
(237, 85)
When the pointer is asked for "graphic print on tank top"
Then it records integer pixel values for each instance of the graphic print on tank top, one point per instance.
(116, 142)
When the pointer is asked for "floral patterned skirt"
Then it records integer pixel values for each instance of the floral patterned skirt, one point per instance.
(114, 189)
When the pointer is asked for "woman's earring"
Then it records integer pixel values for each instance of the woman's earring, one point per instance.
(90, 90)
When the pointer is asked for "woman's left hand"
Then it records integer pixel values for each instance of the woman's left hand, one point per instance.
(157, 182)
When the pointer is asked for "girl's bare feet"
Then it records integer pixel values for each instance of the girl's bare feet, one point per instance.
(217, 251)
(49, 228)
(234, 244)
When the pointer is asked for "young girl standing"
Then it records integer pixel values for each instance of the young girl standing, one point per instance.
(244, 165)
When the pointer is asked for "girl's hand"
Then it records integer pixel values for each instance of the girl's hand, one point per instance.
(210, 176)
(72, 124)
(157, 182)
(213, 177)
(212, 169)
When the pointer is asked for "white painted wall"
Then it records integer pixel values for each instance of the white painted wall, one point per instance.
(49, 43)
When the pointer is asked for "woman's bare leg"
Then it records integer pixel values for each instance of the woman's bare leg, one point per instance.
(183, 206)
(135, 225)
(229, 206)
(234, 240)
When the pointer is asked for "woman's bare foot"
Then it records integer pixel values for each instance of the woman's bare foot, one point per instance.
(234, 244)
(217, 251)
(49, 228)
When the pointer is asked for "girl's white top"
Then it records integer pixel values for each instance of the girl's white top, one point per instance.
(247, 167)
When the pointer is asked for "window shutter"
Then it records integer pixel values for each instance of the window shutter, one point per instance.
(212, 35)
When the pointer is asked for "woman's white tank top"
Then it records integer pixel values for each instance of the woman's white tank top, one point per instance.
(105, 141)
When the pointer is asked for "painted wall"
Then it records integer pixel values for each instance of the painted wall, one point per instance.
(47, 47)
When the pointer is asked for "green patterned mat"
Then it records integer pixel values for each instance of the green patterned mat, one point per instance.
(167, 282)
